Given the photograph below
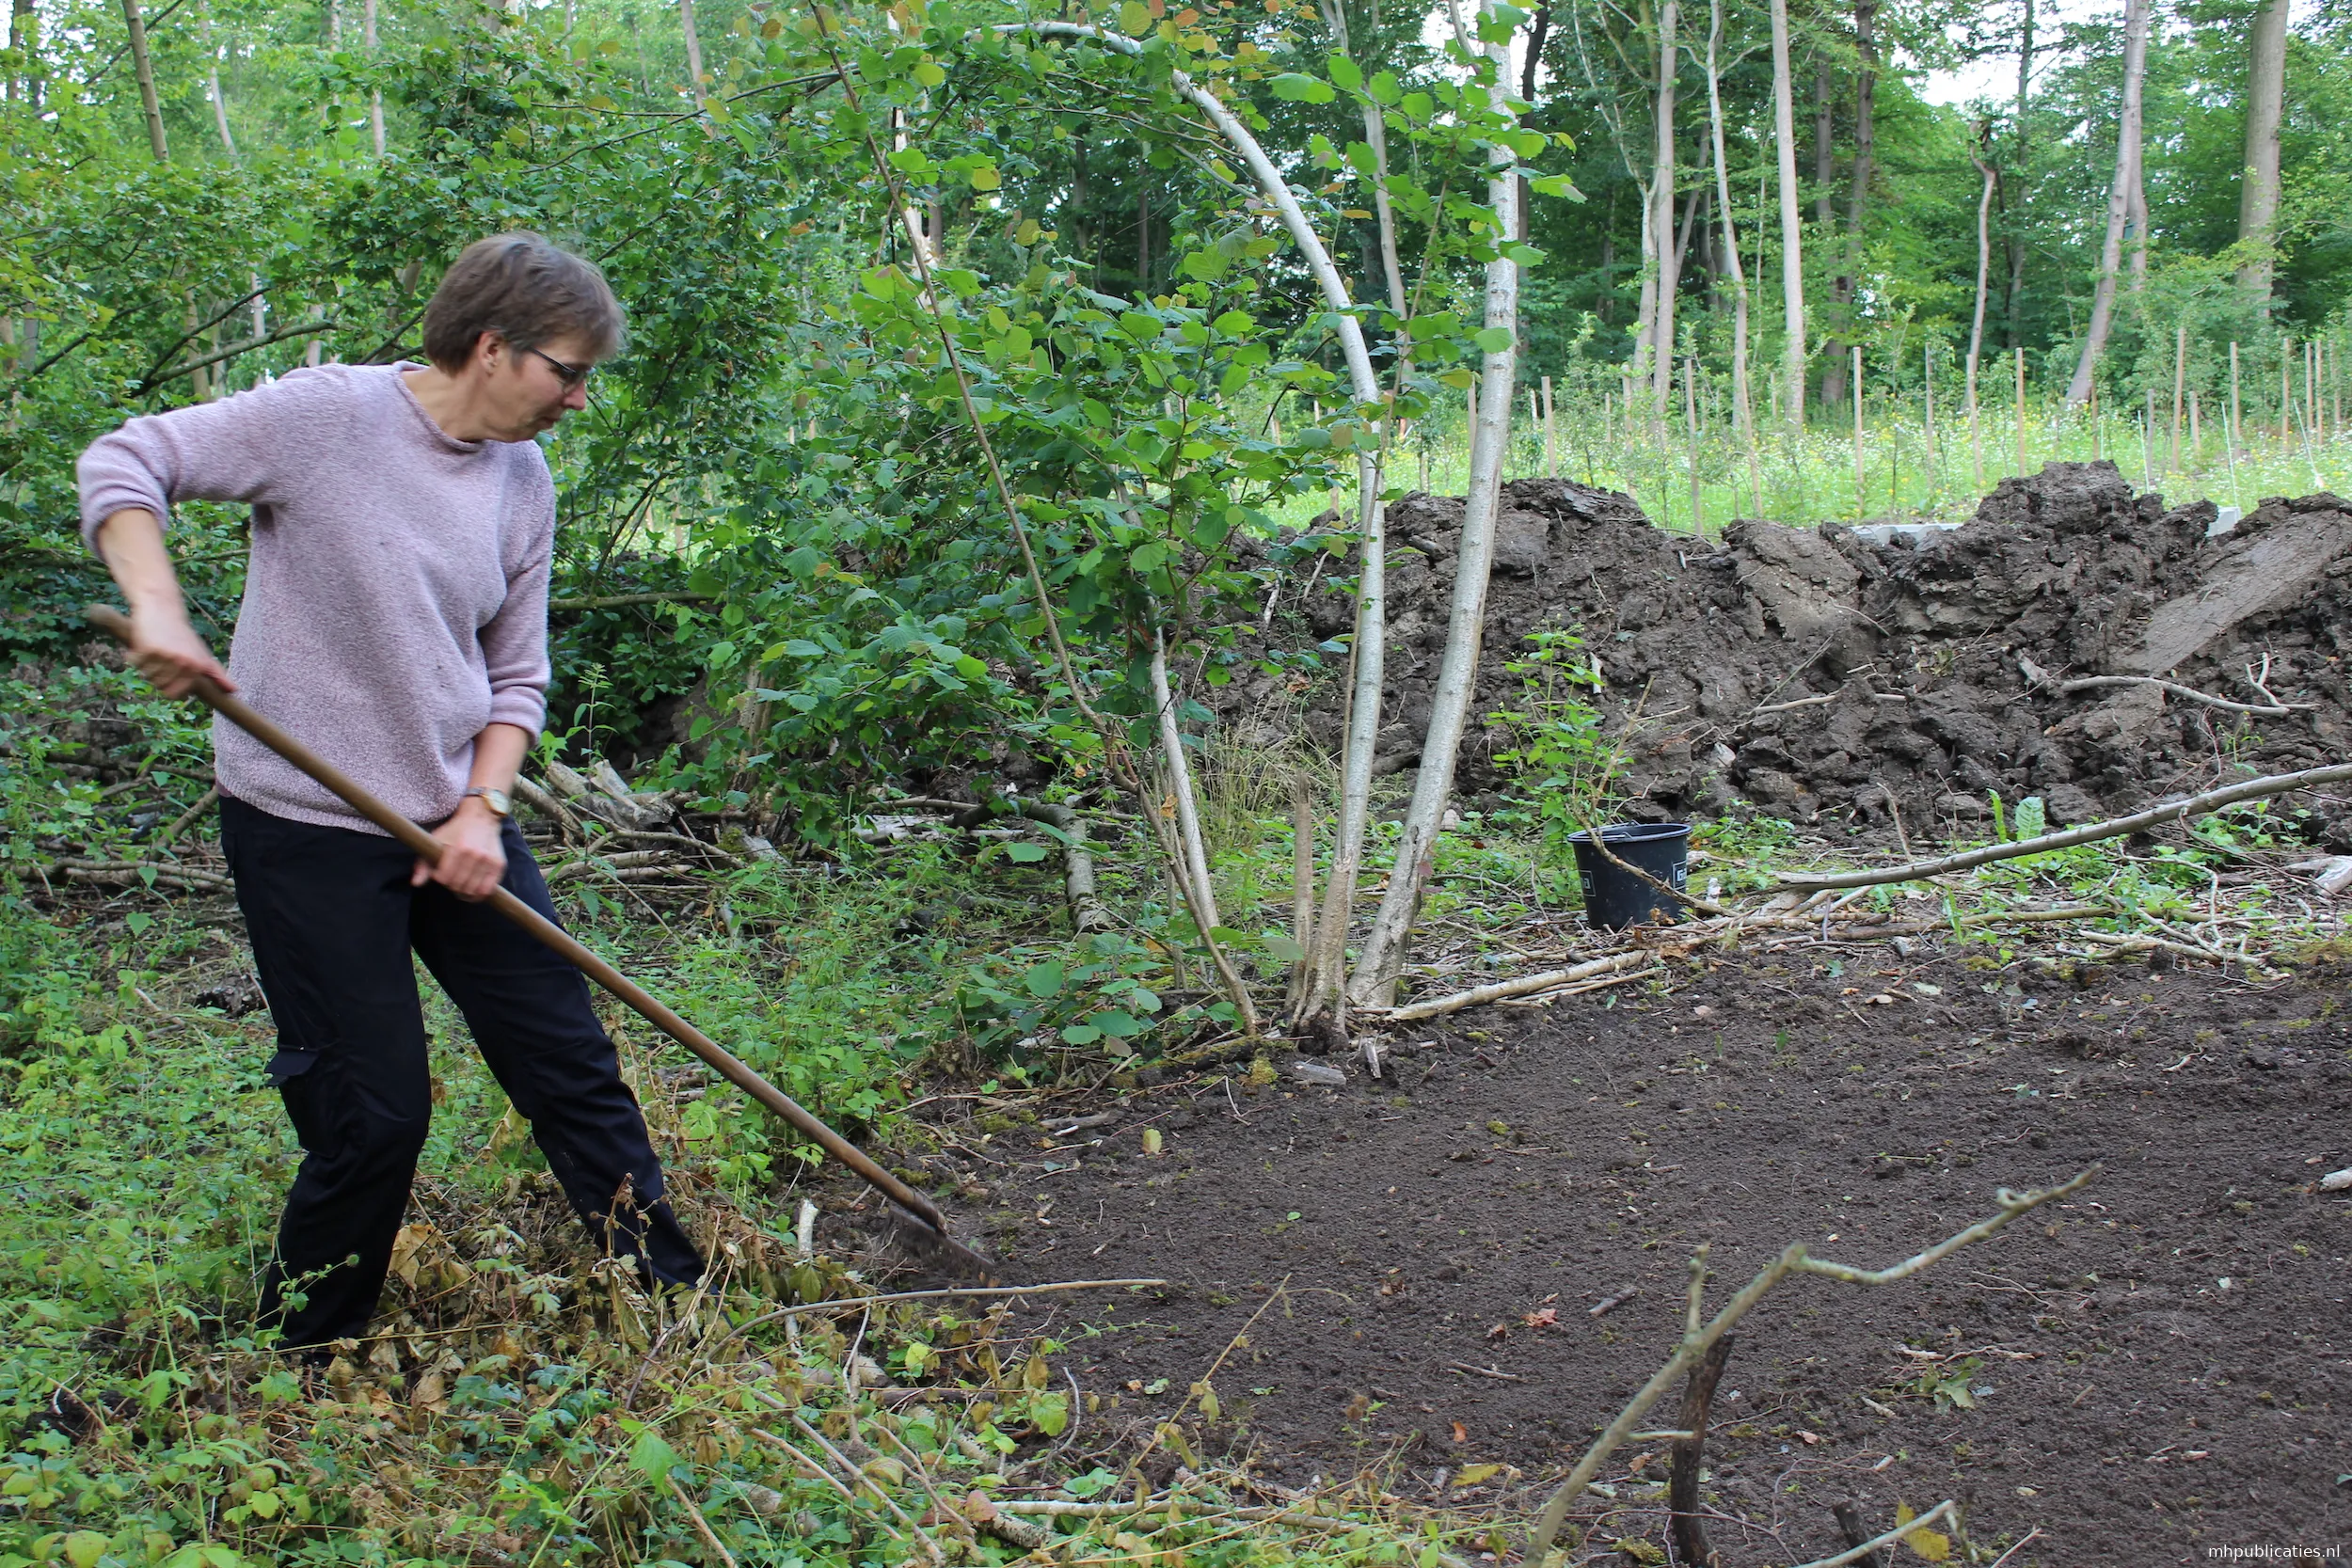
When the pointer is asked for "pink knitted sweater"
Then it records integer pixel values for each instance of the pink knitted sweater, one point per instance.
(397, 598)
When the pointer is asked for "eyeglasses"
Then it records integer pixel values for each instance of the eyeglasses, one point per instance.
(570, 375)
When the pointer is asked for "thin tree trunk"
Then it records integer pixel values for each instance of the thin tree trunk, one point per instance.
(1662, 204)
(1326, 990)
(1864, 121)
(1824, 149)
(2265, 107)
(212, 85)
(1383, 954)
(1976, 331)
(1743, 413)
(1824, 176)
(144, 69)
(1844, 286)
(2014, 213)
(375, 95)
(1791, 222)
(1194, 864)
(694, 49)
(2119, 201)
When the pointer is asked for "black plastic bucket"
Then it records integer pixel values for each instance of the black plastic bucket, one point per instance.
(1615, 899)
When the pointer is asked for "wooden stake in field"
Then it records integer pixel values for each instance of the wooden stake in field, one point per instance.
(2180, 384)
(1975, 433)
(2021, 413)
(2236, 433)
(1858, 502)
(1927, 385)
(1550, 468)
(2286, 392)
(2098, 430)
(1691, 423)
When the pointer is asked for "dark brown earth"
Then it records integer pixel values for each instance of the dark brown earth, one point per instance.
(1924, 672)
(2162, 1364)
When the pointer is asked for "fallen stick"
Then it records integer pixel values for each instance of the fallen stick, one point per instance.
(2092, 683)
(845, 1303)
(1545, 999)
(210, 798)
(1437, 1007)
(2171, 811)
(2035, 917)
(130, 873)
(1697, 1339)
(1864, 1551)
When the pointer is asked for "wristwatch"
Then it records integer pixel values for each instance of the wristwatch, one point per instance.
(495, 799)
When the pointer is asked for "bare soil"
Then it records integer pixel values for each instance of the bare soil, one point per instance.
(2160, 1365)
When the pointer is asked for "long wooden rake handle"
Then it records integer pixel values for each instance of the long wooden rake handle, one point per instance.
(428, 849)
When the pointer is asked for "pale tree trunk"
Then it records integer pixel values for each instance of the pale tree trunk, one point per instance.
(694, 49)
(1824, 204)
(144, 69)
(212, 85)
(1383, 212)
(2265, 107)
(1791, 222)
(1741, 407)
(2136, 226)
(375, 95)
(2119, 201)
(1326, 990)
(1976, 330)
(1383, 954)
(1661, 205)
(2014, 211)
(1865, 136)
(1193, 862)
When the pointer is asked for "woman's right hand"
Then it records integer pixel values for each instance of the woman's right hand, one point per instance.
(166, 649)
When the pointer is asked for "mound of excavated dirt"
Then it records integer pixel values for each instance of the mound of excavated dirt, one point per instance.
(1816, 670)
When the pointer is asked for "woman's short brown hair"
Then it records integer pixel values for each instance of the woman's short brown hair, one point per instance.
(526, 291)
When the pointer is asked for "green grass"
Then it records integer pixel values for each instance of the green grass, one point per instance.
(1806, 477)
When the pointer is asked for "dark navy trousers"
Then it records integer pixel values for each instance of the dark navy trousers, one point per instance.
(333, 920)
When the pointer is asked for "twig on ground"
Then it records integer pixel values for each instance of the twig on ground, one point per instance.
(1545, 999)
(1413, 1012)
(1696, 1342)
(2171, 811)
(2031, 1536)
(126, 873)
(845, 1302)
(701, 1525)
(1486, 1371)
(179, 824)
(2090, 683)
(1864, 1552)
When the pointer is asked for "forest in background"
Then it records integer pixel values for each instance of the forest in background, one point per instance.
(995, 379)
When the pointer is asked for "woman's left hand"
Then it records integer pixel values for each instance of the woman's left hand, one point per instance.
(473, 856)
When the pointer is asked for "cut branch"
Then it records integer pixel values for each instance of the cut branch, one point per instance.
(2269, 710)
(2173, 811)
(1437, 1007)
(1698, 1341)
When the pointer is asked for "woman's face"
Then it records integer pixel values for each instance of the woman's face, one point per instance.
(529, 391)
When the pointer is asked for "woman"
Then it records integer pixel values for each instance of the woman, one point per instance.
(394, 618)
